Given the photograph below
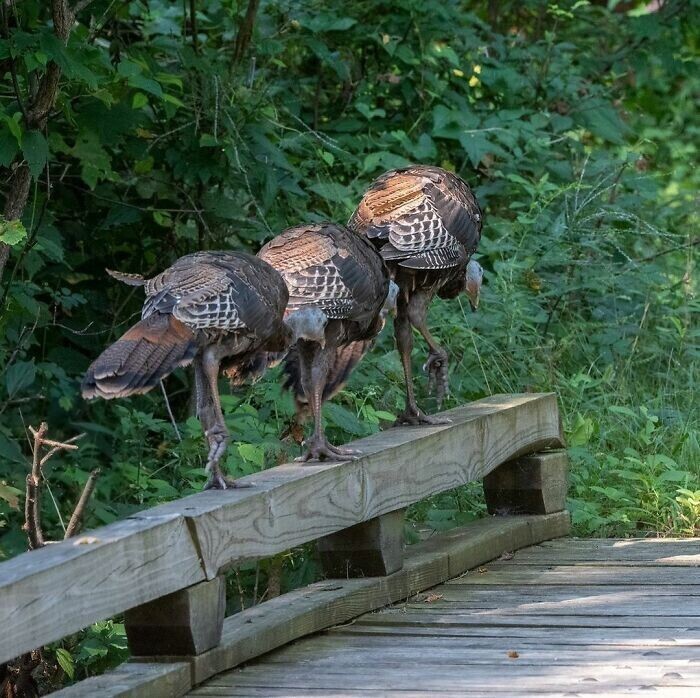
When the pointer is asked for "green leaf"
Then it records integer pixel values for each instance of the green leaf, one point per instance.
(476, 146)
(10, 450)
(13, 123)
(343, 418)
(10, 495)
(36, 151)
(65, 661)
(146, 84)
(603, 120)
(254, 454)
(331, 191)
(12, 232)
(18, 376)
(326, 22)
(95, 161)
(139, 101)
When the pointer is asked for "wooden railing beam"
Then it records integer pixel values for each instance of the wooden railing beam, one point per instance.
(52, 592)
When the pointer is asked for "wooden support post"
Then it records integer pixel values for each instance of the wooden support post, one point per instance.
(534, 484)
(187, 622)
(370, 549)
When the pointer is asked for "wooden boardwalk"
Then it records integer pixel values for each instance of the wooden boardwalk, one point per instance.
(562, 618)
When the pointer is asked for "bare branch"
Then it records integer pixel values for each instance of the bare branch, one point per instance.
(245, 31)
(32, 502)
(76, 518)
(170, 412)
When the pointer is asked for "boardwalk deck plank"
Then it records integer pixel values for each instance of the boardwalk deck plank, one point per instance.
(589, 618)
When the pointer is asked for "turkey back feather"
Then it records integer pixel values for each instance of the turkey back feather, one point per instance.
(153, 348)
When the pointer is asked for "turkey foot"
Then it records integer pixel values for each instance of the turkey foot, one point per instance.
(413, 416)
(218, 481)
(436, 368)
(218, 441)
(319, 449)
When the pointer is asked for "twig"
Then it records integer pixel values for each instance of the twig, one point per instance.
(76, 518)
(32, 521)
(32, 502)
(170, 412)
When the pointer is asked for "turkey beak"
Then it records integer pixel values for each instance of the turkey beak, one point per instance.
(473, 295)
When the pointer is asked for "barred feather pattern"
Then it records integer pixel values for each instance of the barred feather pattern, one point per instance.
(328, 267)
(230, 298)
(420, 217)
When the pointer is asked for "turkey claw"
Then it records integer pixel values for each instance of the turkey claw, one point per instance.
(436, 368)
(413, 416)
(320, 449)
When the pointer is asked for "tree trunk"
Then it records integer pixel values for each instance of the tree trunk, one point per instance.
(36, 114)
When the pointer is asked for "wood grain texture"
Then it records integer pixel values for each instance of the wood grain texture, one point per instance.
(141, 680)
(294, 504)
(267, 626)
(51, 592)
(585, 638)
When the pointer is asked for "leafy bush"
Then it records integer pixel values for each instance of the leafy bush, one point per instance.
(575, 124)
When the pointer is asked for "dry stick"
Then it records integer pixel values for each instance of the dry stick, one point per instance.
(76, 518)
(170, 412)
(32, 502)
(32, 522)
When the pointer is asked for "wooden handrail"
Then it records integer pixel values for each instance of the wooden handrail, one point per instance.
(48, 593)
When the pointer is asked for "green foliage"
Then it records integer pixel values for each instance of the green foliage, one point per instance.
(575, 124)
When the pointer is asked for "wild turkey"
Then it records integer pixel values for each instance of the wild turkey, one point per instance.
(426, 223)
(207, 308)
(327, 267)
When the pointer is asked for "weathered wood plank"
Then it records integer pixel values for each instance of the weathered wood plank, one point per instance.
(370, 549)
(186, 622)
(318, 653)
(629, 551)
(633, 637)
(262, 628)
(293, 504)
(49, 593)
(59, 589)
(521, 575)
(534, 484)
(453, 601)
(509, 692)
(507, 619)
(134, 681)
(409, 675)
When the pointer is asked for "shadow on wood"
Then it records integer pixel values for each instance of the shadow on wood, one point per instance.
(533, 484)
(185, 623)
(370, 549)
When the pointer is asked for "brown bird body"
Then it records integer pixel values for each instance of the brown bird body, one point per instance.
(207, 308)
(426, 223)
(326, 266)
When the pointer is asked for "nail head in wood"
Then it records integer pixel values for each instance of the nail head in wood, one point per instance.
(534, 484)
(187, 622)
(370, 549)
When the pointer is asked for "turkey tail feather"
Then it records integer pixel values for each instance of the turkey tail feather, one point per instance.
(129, 279)
(140, 359)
